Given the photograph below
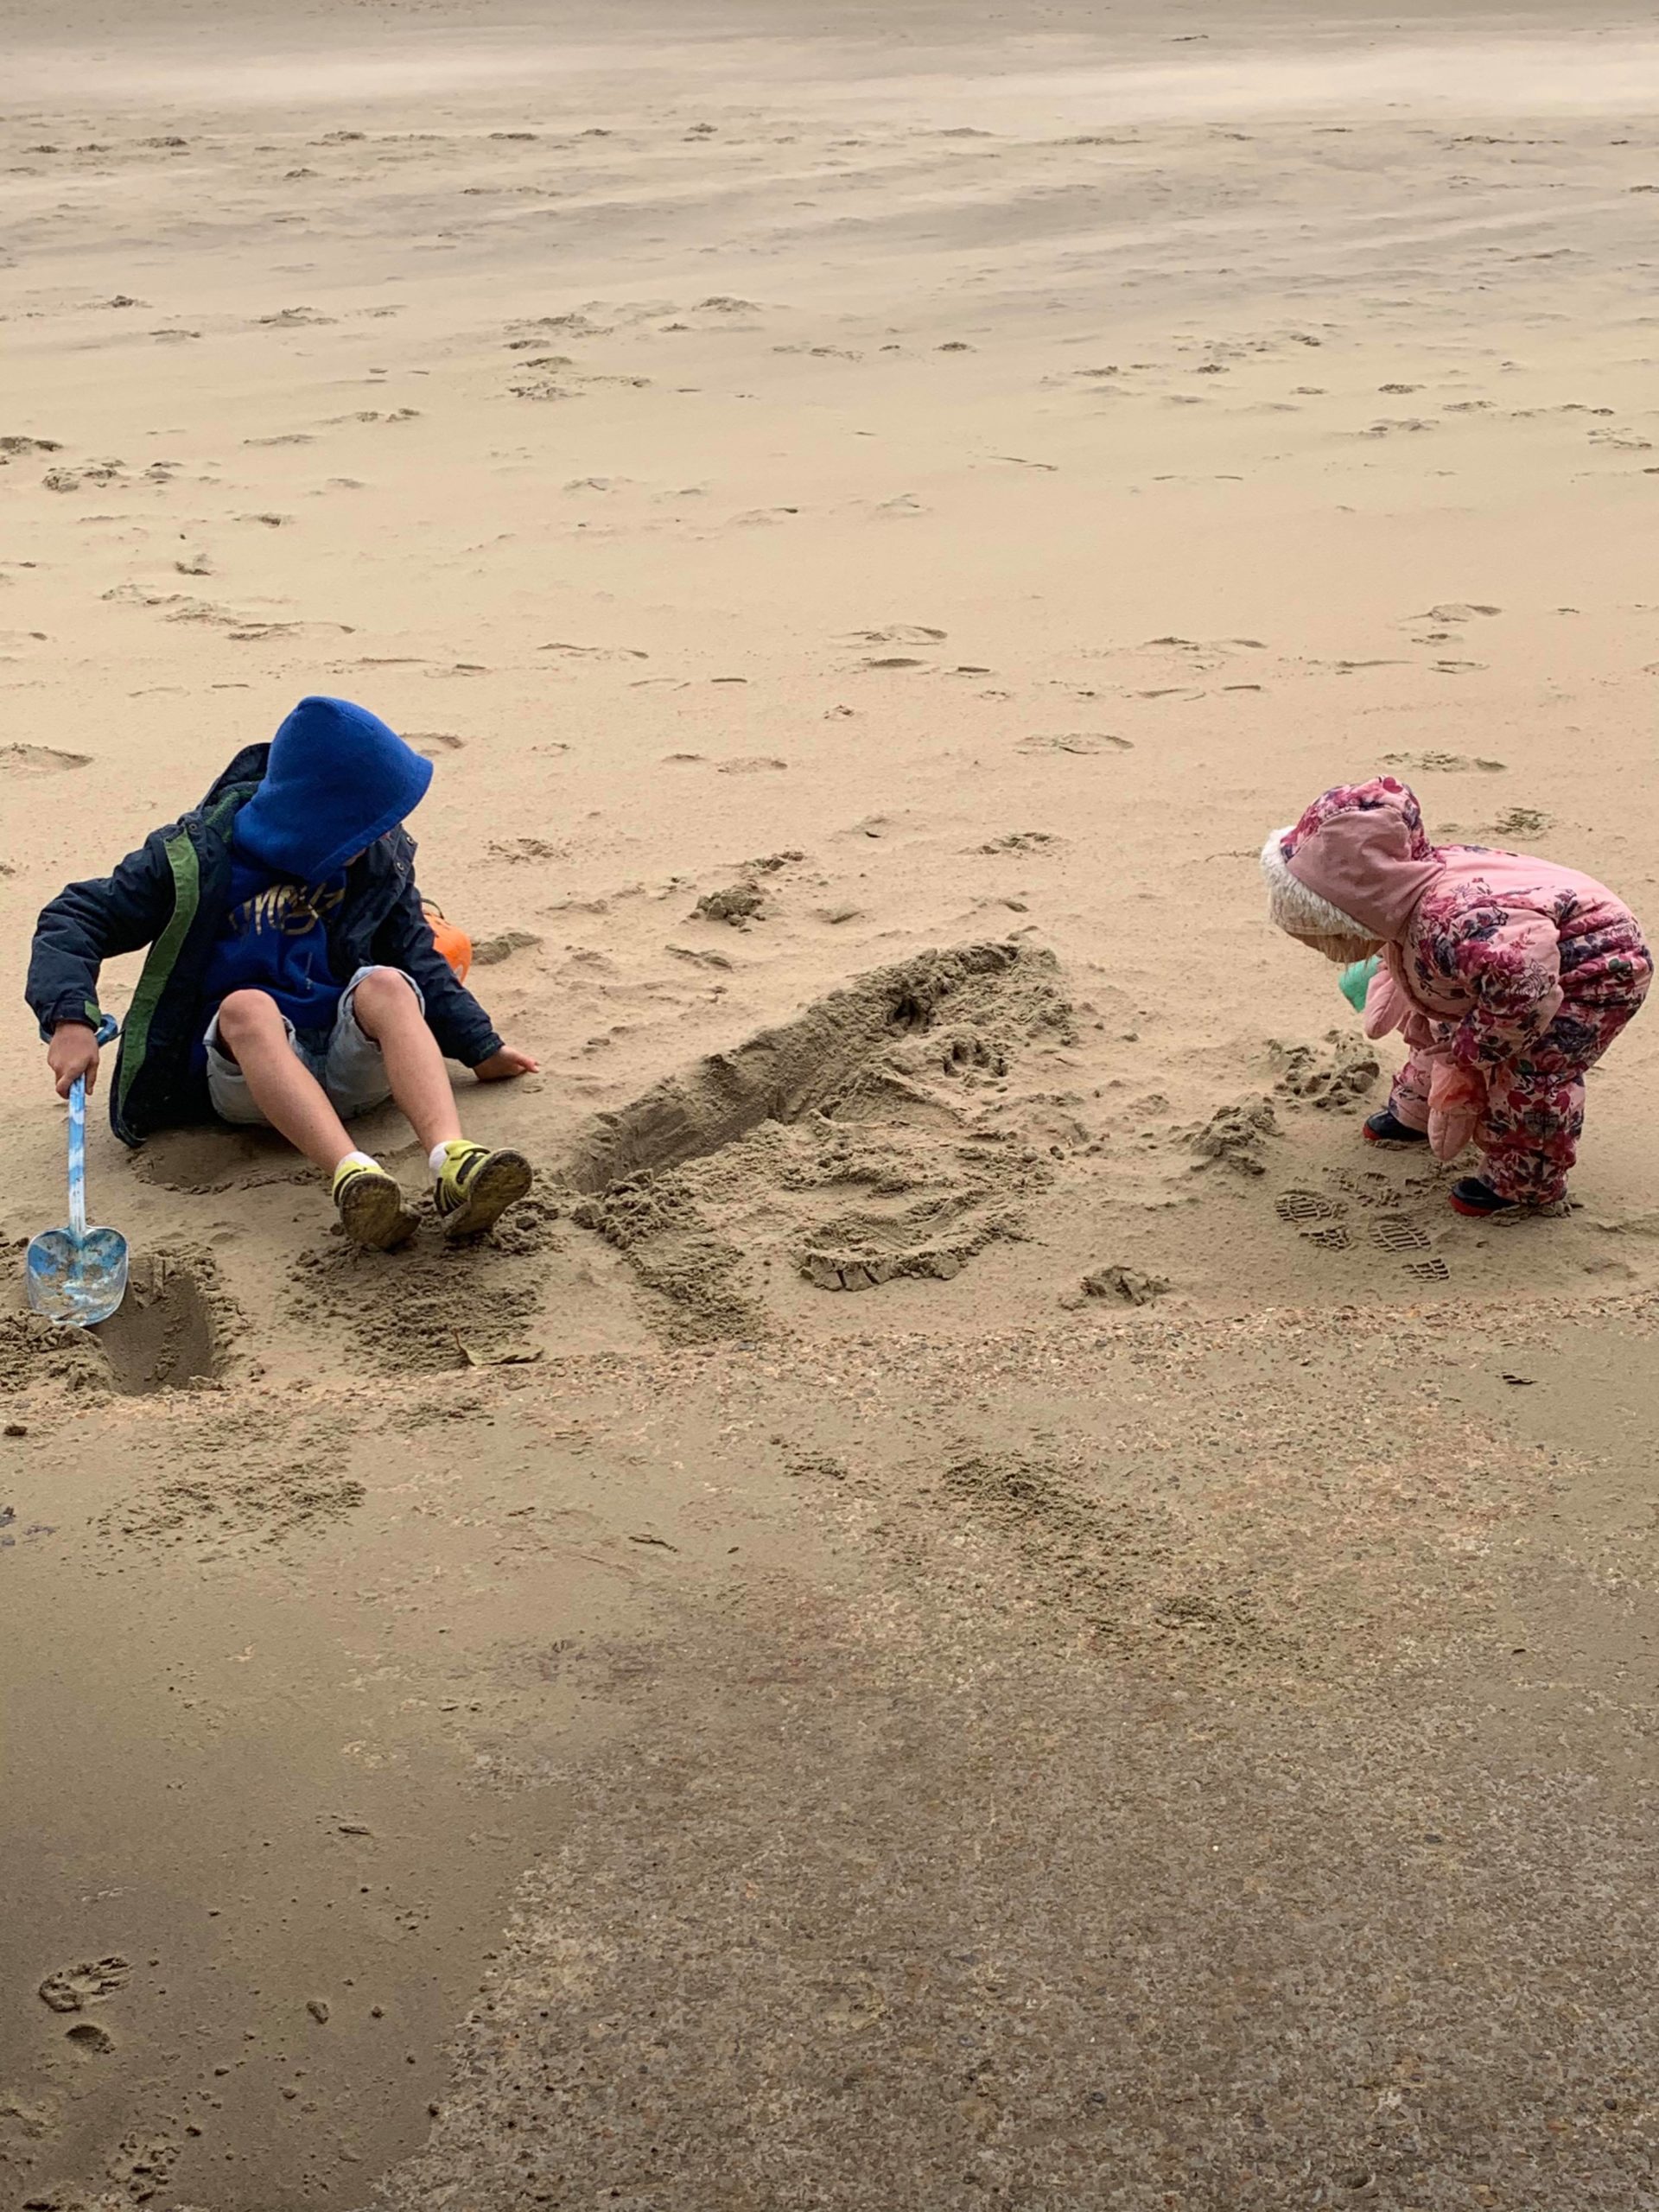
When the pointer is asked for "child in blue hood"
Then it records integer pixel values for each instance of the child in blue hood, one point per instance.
(292, 979)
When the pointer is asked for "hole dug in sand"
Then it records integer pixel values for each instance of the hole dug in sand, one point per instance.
(168, 1331)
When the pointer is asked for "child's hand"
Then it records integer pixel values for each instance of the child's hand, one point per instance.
(502, 1066)
(1457, 1100)
(73, 1052)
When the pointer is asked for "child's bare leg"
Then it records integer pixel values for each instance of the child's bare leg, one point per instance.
(279, 1083)
(387, 1009)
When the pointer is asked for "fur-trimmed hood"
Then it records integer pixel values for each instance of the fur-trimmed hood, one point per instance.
(1356, 864)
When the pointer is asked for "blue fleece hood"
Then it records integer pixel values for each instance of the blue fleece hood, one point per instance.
(337, 779)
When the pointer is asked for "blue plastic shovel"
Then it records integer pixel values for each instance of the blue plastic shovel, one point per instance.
(78, 1274)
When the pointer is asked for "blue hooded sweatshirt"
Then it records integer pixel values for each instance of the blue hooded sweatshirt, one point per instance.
(338, 778)
(337, 781)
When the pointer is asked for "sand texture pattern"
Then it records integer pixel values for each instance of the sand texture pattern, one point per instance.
(975, 1603)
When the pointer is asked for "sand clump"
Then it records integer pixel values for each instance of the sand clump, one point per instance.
(36, 1353)
(1126, 1286)
(873, 1095)
(1237, 1135)
(693, 1278)
(413, 1310)
(834, 1058)
(1337, 1080)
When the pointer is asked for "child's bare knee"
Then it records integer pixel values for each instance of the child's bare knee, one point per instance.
(383, 993)
(245, 1014)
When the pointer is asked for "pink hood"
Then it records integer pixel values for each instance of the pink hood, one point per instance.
(1361, 849)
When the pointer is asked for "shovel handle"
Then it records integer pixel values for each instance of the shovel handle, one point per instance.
(107, 1028)
(78, 1158)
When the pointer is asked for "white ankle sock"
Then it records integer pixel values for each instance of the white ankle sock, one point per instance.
(356, 1159)
(439, 1153)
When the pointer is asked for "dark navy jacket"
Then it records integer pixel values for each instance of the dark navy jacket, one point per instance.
(173, 895)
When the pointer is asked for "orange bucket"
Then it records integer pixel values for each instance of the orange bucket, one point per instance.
(454, 944)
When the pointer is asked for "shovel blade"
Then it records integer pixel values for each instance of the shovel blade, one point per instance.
(80, 1281)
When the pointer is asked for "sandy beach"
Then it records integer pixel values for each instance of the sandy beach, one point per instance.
(974, 1603)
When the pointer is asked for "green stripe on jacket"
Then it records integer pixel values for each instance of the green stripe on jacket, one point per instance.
(186, 864)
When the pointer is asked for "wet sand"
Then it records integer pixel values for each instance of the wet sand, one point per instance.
(966, 1603)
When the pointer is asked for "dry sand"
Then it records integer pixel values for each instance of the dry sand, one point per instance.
(974, 1604)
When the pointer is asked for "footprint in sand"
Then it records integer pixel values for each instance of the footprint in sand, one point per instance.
(1301, 1207)
(1445, 764)
(526, 848)
(896, 633)
(1021, 841)
(1368, 1186)
(1316, 1219)
(490, 952)
(1396, 1233)
(433, 743)
(40, 760)
(72, 1988)
(1075, 741)
(1319, 1220)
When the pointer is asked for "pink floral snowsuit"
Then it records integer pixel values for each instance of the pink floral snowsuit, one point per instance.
(1518, 971)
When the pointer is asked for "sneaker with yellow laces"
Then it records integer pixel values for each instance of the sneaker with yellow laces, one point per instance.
(371, 1205)
(476, 1187)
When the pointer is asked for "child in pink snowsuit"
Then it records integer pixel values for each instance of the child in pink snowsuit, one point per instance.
(1507, 977)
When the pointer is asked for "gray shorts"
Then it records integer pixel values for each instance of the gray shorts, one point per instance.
(345, 1059)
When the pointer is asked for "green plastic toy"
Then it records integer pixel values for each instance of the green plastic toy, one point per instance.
(1355, 981)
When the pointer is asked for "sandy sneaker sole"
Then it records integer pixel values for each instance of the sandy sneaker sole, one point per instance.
(504, 1179)
(373, 1214)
